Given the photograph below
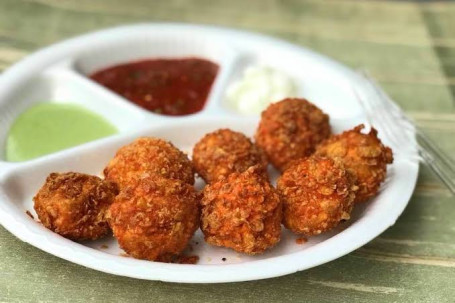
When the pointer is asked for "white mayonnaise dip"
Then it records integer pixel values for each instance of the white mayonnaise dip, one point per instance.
(259, 86)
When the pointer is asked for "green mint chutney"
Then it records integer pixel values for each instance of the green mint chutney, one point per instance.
(49, 127)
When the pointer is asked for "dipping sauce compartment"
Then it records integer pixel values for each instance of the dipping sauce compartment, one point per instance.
(172, 87)
(58, 87)
(145, 63)
(311, 80)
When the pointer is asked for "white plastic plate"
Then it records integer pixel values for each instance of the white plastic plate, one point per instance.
(59, 73)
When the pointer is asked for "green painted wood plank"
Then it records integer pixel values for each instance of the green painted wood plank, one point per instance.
(420, 97)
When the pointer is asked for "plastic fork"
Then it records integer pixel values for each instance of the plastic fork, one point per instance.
(398, 129)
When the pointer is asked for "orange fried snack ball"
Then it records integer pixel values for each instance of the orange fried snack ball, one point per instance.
(290, 130)
(364, 155)
(74, 205)
(149, 156)
(223, 152)
(317, 194)
(155, 218)
(242, 212)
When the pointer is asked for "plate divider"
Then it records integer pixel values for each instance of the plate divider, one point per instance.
(108, 96)
(228, 68)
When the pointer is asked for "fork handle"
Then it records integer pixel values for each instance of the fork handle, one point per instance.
(437, 160)
(432, 147)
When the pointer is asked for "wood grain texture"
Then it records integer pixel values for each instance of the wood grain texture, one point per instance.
(409, 47)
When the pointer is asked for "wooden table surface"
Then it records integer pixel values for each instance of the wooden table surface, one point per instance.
(408, 46)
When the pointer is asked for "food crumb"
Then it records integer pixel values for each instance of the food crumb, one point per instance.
(224, 259)
(187, 260)
(124, 255)
(104, 246)
(30, 214)
(209, 259)
(301, 240)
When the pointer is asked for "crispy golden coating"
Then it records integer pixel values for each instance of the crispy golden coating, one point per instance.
(290, 130)
(223, 152)
(149, 156)
(364, 155)
(317, 194)
(74, 205)
(155, 218)
(242, 212)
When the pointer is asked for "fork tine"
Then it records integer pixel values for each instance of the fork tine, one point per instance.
(390, 129)
(391, 114)
(373, 107)
(429, 145)
(364, 106)
(394, 122)
(384, 116)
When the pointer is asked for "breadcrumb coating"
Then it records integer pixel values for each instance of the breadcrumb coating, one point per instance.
(149, 156)
(154, 218)
(362, 154)
(242, 212)
(223, 152)
(290, 130)
(317, 194)
(74, 205)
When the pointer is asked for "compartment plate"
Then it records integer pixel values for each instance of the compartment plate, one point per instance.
(325, 82)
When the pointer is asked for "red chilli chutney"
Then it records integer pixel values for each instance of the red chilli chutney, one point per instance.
(173, 87)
